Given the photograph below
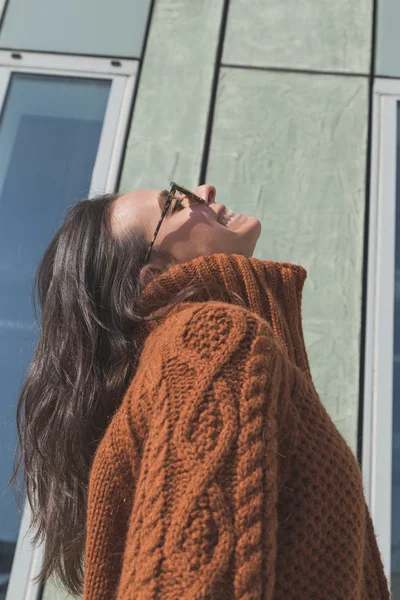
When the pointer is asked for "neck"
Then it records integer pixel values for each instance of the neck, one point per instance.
(270, 289)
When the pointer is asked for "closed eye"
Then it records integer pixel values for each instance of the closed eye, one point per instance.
(176, 206)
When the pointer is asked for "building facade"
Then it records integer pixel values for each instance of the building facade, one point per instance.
(291, 109)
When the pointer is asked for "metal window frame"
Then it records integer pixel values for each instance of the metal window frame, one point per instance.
(122, 74)
(378, 396)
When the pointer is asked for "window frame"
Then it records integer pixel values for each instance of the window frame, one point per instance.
(378, 357)
(28, 560)
(123, 79)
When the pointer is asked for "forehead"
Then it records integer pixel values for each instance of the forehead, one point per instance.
(135, 208)
(135, 202)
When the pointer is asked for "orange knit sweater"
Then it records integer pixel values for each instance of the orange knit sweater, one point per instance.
(221, 476)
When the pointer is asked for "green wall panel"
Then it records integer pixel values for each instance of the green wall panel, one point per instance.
(300, 34)
(169, 123)
(96, 27)
(290, 148)
(54, 591)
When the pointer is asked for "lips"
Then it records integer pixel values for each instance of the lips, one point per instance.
(225, 216)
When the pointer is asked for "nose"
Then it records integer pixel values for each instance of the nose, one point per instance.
(207, 192)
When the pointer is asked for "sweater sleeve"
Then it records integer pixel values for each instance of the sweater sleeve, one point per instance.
(204, 519)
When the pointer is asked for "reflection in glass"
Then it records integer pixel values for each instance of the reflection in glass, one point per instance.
(49, 134)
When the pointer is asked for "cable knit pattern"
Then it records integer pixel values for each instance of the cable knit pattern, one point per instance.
(221, 476)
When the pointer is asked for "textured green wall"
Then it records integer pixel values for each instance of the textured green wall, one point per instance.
(291, 149)
(300, 34)
(169, 123)
(53, 591)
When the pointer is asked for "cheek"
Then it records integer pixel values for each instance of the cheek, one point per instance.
(184, 228)
(196, 235)
(202, 229)
(197, 224)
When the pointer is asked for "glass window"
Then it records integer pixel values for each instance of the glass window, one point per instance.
(387, 39)
(91, 27)
(50, 128)
(395, 537)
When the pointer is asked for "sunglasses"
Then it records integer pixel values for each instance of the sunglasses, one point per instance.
(174, 188)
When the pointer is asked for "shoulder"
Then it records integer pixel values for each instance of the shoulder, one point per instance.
(206, 329)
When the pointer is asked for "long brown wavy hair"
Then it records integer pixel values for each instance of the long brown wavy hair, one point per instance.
(88, 289)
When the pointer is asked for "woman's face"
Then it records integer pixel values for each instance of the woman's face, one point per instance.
(189, 231)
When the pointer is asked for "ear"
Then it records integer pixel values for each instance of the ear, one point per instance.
(152, 270)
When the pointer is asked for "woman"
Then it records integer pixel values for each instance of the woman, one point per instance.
(173, 443)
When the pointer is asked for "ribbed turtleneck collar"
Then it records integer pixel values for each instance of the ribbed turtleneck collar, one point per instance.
(272, 290)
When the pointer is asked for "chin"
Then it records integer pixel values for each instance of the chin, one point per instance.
(251, 237)
(257, 225)
(253, 229)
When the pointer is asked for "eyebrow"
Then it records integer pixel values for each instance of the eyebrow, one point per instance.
(162, 197)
